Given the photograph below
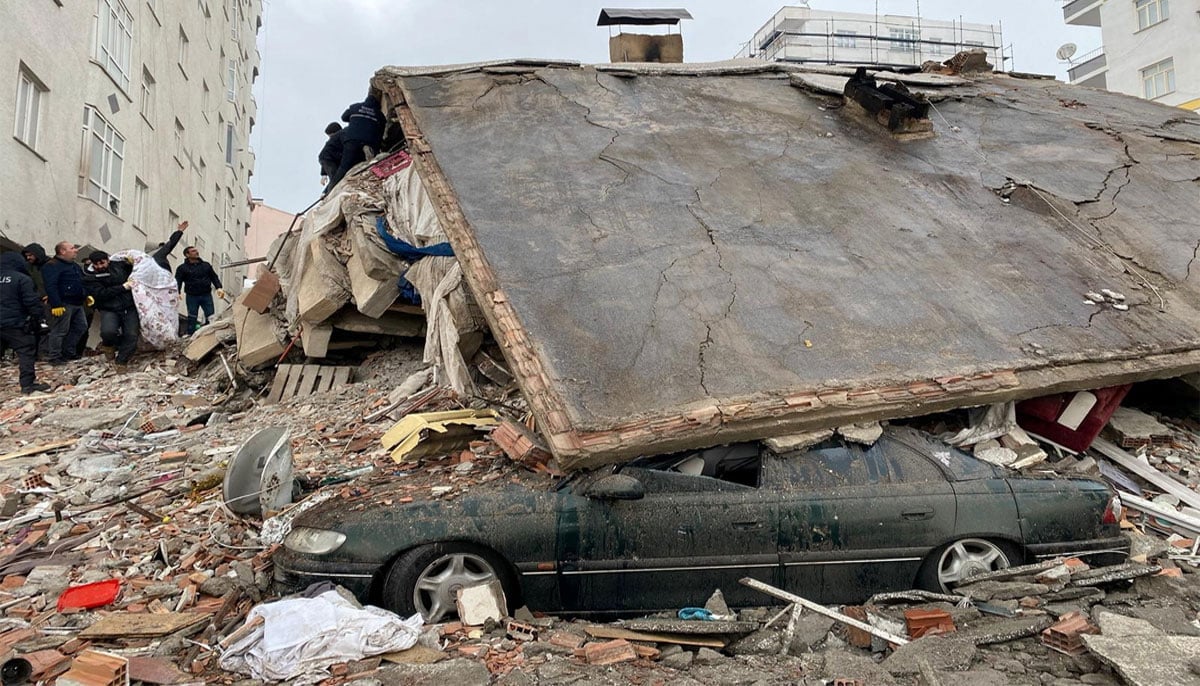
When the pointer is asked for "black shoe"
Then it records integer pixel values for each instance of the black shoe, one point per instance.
(35, 388)
(56, 363)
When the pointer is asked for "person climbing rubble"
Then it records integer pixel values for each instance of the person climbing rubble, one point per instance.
(330, 156)
(365, 129)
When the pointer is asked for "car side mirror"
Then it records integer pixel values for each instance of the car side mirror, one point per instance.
(616, 487)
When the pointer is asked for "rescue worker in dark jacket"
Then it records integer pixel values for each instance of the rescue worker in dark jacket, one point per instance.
(109, 285)
(196, 279)
(365, 128)
(35, 259)
(19, 302)
(66, 297)
(164, 249)
(330, 156)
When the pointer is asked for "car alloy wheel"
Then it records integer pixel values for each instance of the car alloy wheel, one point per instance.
(436, 588)
(966, 558)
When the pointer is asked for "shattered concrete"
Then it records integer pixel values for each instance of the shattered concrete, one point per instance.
(681, 183)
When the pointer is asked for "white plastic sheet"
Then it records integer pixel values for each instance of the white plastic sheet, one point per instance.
(155, 295)
(301, 637)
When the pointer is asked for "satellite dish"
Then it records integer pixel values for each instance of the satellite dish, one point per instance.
(1066, 51)
(258, 480)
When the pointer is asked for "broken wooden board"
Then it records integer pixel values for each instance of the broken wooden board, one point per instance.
(293, 380)
(142, 624)
(605, 631)
(38, 449)
(878, 303)
(265, 287)
(1159, 480)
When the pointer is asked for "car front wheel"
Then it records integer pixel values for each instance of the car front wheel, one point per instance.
(953, 562)
(427, 579)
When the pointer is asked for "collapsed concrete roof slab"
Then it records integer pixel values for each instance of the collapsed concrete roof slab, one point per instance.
(676, 260)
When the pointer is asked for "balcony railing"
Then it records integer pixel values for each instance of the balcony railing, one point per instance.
(1082, 12)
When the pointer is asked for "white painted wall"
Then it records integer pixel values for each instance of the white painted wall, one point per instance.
(40, 191)
(1128, 50)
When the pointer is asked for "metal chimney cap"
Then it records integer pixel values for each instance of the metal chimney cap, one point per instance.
(641, 17)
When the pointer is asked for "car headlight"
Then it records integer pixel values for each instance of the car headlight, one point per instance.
(313, 541)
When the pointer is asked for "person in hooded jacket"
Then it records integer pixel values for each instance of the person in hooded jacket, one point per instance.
(35, 258)
(330, 156)
(364, 128)
(109, 286)
(19, 303)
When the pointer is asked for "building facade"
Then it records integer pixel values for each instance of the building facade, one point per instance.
(266, 224)
(1149, 48)
(129, 116)
(802, 34)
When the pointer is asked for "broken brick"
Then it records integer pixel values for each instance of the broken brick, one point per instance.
(609, 652)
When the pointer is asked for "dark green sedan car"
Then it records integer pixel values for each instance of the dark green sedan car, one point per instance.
(835, 523)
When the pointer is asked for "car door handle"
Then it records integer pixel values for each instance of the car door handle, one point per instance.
(918, 515)
(747, 526)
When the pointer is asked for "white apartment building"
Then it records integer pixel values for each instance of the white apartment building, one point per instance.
(1149, 48)
(803, 34)
(128, 116)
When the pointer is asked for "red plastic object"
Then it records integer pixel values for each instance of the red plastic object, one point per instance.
(1041, 415)
(88, 596)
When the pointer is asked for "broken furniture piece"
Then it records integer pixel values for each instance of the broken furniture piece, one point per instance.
(903, 113)
(294, 380)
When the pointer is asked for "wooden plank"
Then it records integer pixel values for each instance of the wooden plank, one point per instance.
(312, 373)
(282, 372)
(342, 376)
(289, 391)
(604, 631)
(326, 381)
(142, 624)
(38, 449)
(822, 610)
(1161, 481)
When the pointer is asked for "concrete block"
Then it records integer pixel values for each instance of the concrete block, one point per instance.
(479, 603)
(322, 292)
(377, 261)
(372, 296)
(391, 324)
(256, 339)
(315, 339)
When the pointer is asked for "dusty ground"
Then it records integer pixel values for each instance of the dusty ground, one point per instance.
(159, 437)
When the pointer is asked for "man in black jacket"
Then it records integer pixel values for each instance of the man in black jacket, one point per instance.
(164, 249)
(19, 302)
(365, 128)
(66, 297)
(109, 285)
(330, 156)
(196, 279)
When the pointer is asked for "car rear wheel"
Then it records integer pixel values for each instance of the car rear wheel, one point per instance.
(427, 579)
(961, 559)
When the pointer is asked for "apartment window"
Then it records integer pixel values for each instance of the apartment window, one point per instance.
(1151, 12)
(205, 99)
(114, 39)
(231, 140)
(172, 219)
(149, 88)
(935, 46)
(231, 79)
(203, 176)
(141, 204)
(1159, 79)
(228, 210)
(845, 39)
(903, 40)
(217, 200)
(183, 51)
(179, 153)
(105, 150)
(31, 95)
(235, 20)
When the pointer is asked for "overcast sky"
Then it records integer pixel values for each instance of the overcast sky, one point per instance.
(318, 55)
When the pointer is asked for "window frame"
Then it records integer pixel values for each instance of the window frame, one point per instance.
(184, 49)
(141, 204)
(1150, 78)
(27, 122)
(107, 188)
(904, 39)
(1143, 9)
(149, 105)
(113, 23)
(847, 40)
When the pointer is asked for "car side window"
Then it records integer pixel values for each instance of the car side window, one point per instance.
(658, 481)
(905, 465)
(824, 467)
(960, 465)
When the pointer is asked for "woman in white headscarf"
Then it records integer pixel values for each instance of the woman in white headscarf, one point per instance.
(155, 295)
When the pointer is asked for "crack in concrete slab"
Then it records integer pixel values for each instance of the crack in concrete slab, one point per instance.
(1195, 252)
